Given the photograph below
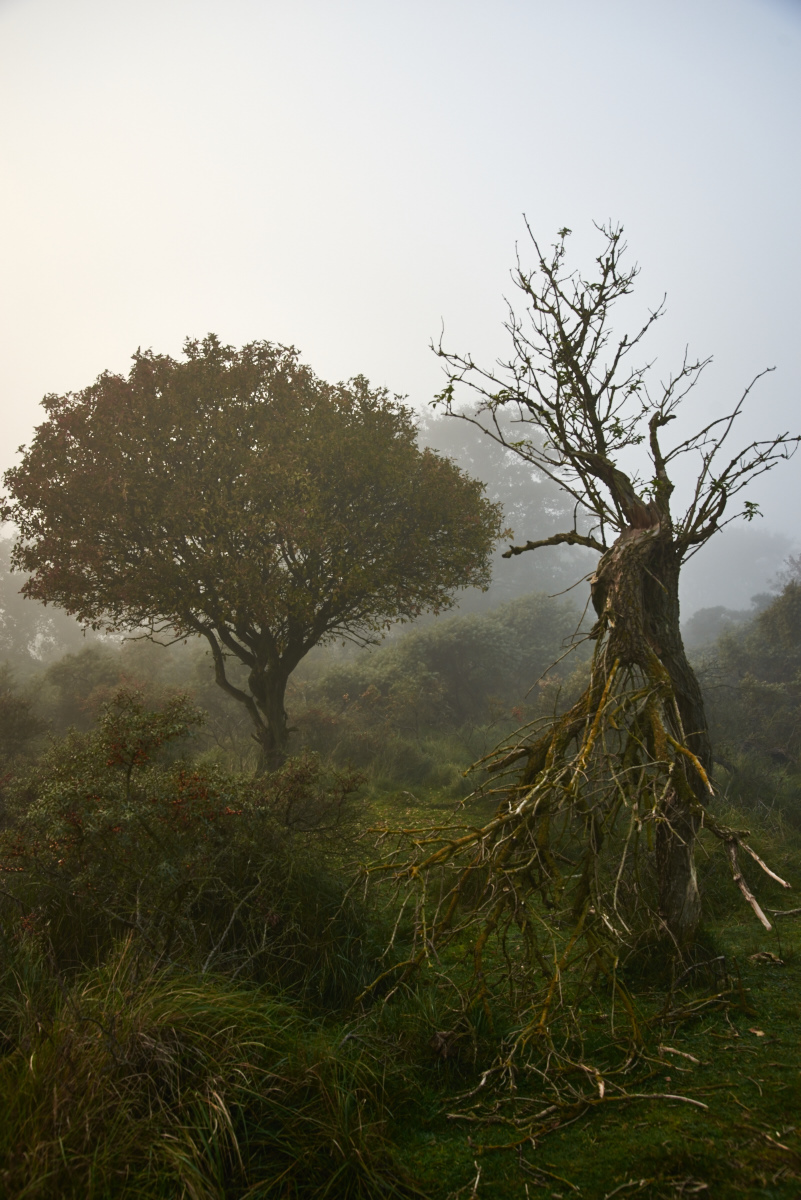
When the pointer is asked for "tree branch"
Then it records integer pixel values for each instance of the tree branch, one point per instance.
(558, 539)
(223, 681)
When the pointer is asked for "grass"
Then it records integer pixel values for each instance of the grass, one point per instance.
(144, 1085)
(132, 1080)
(740, 1059)
(742, 1062)
(136, 1084)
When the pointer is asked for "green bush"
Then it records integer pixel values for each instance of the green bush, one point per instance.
(752, 689)
(112, 831)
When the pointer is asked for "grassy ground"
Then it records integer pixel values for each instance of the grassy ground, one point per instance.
(740, 1059)
(742, 1062)
(116, 1082)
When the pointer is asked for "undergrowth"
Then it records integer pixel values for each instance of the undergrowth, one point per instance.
(133, 1082)
(183, 954)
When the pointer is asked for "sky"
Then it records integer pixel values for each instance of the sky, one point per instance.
(350, 176)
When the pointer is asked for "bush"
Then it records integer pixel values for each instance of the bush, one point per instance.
(114, 832)
(752, 690)
(421, 709)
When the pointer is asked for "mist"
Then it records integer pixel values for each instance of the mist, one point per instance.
(341, 855)
(348, 178)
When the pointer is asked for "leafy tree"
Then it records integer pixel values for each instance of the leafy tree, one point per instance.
(21, 726)
(629, 763)
(73, 689)
(473, 660)
(235, 495)
(752, 683)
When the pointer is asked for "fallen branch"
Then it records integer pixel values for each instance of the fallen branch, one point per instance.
(737, 876)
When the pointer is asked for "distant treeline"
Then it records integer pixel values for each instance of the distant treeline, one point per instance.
(418, 708)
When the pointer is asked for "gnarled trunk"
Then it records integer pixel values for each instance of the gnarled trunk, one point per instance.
(635, 592)
(268, 689)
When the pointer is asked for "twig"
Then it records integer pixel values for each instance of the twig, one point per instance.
(765, 867)
(681, 1053)
(661, 1096)
(226, 931)
(639, 1184)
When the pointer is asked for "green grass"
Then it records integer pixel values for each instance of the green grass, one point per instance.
(129, 1080)
(150, 1086)
(146, 1084)
(746, 1142)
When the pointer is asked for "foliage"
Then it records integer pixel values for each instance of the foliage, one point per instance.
(236, 496)
(132, 1067)
(21, 726)
(752, 680)
(73, 689)
(707, 624)
(471, 661)
(112, 832)
(418, 710)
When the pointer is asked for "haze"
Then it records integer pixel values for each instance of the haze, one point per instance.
(346, 177)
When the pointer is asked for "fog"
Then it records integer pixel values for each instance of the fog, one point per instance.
(348, 178)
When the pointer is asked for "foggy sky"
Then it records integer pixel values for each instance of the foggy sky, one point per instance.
(345, 176)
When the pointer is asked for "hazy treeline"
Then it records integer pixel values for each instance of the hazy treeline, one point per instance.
(418, 707)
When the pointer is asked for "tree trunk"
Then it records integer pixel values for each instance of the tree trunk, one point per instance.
(635, 592)
(268, 689)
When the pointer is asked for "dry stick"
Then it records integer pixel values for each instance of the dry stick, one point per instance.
(765, 867)
(580, 1108)
(659, 1096)
(731, 850)
(681, 1053)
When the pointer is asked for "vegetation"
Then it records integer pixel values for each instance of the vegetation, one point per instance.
(236, 496)
(183, 949)
(393, 965)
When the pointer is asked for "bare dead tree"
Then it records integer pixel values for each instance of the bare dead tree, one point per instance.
(599, 802)
(581, 406)
(590, 853)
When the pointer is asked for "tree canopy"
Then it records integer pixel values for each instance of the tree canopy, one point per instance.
(235, 495)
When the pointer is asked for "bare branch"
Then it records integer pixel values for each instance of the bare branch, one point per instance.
(558, 539)
(737, 875)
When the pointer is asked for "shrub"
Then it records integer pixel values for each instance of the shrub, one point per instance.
(113, 832)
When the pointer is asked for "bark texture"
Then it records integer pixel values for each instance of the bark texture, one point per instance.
(635, 593)
(268, 689)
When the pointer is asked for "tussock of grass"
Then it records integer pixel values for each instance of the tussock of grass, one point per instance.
(134, 1085)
